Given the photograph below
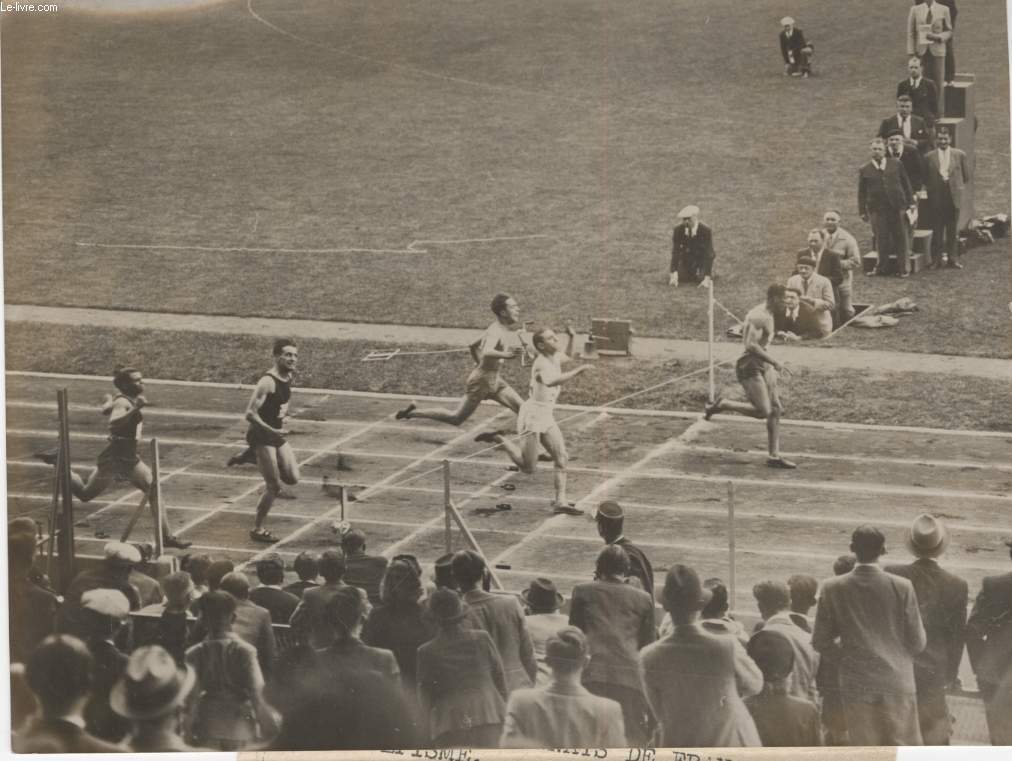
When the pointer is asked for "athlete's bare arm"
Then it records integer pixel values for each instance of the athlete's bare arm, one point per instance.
(122, 409)
(264, 387)
(758, 327)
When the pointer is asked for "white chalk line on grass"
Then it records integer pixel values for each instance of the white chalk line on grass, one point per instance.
(624, 411)
(488, 462)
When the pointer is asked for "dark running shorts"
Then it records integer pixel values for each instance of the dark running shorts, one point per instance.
(750, 366)
(119, 457)
(257, 437)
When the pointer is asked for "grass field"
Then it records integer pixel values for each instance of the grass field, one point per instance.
(428, 136)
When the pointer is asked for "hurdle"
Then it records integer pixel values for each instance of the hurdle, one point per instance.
(60, 539)
(452, 513)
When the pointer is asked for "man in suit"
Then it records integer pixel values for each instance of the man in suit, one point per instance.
(923, 95)
(252, 623)
(989, 645)
(694, 681)
(33, 607)
(941, 598)
(60, 673)
(827, 264)
(691, 250)
(875, 615)
(307, 568)
(884, 197)
(363, 571)
(947, 173)
(610, 521)
(912, 127)
(950, 57)
(308, 621)
(844, 245)
(269, 595)
(929, 27)
(897, 147)
(797, 322)
(816, 293)
(774, 600)
(796, 52)
(501, 616)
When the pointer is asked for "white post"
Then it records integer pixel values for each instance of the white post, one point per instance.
(731, 581)
(709, 343)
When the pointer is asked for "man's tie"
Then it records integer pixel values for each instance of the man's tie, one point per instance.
(927, 19)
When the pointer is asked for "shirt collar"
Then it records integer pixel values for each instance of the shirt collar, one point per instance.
(76, 720)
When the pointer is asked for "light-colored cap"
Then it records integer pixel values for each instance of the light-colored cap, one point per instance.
(689, 211)
(121, 552)
(106, 602)
(787, 20)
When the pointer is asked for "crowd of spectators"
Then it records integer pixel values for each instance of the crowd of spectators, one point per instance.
(444, 662)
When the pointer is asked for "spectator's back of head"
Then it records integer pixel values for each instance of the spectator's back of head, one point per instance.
(271, 569)
(718, 605)
(236, 584)
(773, 654)
(468, 568)
(178, 589)
(217, 608)
(401, 584)
(22, 525)
(306, 566)
(332, 566)
(683, 592)
(197, 566)
(60, 671)
(353, 541)
(844, 564)
(772, 597)
(804, 589)
(218, 570)
(867, 543)
(346, 610)
(443, 572)
(610, 519)
(20, 552)
(566, 650)
(612, 560)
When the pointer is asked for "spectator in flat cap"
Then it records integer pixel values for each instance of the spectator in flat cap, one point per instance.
(501, 616)
(796, 51)
(695, 681)
(816, 292)
(363, 570)
(252, 623)
(715, 617)
(229, 712)
(541, 603)
(691, 250)
(150, 694)
(33, 608)
(346, 611)
(562, 713)
(618, 619)
(308, 622)
(783, 720)
(804, 595)
(875, 615)
(989, 644)
(112, 573)
(60, 672)
(442, 573)
(942, 600)
(279, 603)
(827, 678)
(307, 568)
(461, 684)
(104, 613)
(912, 125)
(148, 589)
(399, 623)
(774, 600)
(610, 521)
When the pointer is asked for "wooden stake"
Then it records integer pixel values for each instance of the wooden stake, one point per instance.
(452, 510)
(732, 573)
(447, 506)
(65, 531)
(158, 509)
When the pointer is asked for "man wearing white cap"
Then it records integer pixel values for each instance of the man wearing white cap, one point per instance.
(119, 558)
(796, 52)
(691, 249)
(104, 612)
(942, 598)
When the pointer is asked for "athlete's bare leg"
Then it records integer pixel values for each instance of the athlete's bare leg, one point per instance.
(288, 466)
(764, 404)
(142, 479)
(524, 455)
(98, 482)
(555, 445)
(466, 408)
(267, 464)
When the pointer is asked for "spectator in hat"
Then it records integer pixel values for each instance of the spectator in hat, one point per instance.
(989, 645)
(618, 619)
(827, 678)
(610, 521)
(252, 623)
(691, 250)
(541, 603)
(774, 600)
(347, 611)
(816, 292)
(399, 623)
(149, 590)
(695, 681)
(942, 600)
(714, 617)
(269, 595)
(60, 672)
(912, 125)
(501, 616)
(363, 570)
(307, 569)
(308, 622)
(797, 53)
(804, 594)
(562, 713)
(442, 574)
(118, 559)
(884, 197)
(876, 618)
(175, 619)
(150, 694)
(783, 719)
(33, 607)
(461, 684)
(104, 613)
(229, 712)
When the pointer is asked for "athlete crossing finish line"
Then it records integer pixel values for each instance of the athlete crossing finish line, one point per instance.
(758, 374)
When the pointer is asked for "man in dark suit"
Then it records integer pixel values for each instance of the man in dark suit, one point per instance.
(279, 603)
(363, 571)
(897, 147)
(33, 607)
(691, 249)
(989, 645)
(308, 621)
(610, 521)
(797, 53)
(798, 321)
(941, 598)
(923, 93)
(307, 569)
(912, 127)
(884, 197)
(875, 616)
(948, 171)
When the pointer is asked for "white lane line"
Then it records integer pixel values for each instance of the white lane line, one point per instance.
(498, 239)
(624, 411)
(247, 249)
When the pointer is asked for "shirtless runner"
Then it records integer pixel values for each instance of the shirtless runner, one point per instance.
(758, 374)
